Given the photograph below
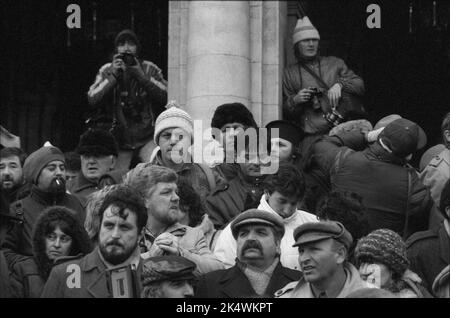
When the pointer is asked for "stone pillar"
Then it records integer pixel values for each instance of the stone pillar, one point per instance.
(218, 59)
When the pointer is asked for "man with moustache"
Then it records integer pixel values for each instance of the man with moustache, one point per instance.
(323, 250)
(11, 173)
(44, 170)
(122, 218)
(258, 271)
(163, 234)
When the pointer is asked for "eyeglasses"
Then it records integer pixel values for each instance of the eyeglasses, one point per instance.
(63, 238)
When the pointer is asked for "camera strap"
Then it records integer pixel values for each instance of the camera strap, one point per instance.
(313, 74)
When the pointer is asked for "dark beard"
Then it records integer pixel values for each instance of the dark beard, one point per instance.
(114, 258)
(57, 186)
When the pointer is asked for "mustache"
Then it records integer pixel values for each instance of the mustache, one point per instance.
(114, 243)
(7, 177)
(252, 244)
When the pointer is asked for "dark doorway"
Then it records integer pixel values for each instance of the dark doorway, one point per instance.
(406, 71)
(49, 68)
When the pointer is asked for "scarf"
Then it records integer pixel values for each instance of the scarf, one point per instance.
(257, 278)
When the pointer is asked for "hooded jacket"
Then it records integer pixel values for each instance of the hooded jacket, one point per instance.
(30, 274)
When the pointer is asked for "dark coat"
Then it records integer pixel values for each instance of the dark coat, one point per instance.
(380, 178)
(429, 253)
(232, 283)
(5, 290)
(92, 279)
(29, 275)
(18, 240)
(229, 199)
(82, 187)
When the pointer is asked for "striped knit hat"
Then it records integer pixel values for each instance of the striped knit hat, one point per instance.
(173, 117)
(386, 247)
(304, 30)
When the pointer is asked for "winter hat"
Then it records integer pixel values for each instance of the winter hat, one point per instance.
(232, 113)
(97, 142)
(403, 137)
(286, 130)
(304, 30)
(173, 117)
(124, 35)
(37, 161)
(386, 247)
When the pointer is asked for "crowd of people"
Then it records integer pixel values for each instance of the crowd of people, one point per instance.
(129, 213)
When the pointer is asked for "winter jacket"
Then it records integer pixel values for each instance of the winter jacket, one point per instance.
(135, 105)
(82, 187)
(429, 254)
(332, 70)
(233, 197)
(18, 241)
(380, 178)
(225, 248)
(193, 246)
(232, 283)
(436, 174)
(85, 277)
(302, 289)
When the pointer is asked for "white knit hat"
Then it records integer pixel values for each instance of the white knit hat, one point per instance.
(173, 117)
(304, 30)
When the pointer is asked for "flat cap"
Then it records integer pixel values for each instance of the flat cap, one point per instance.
(167, 268)
(318, 231)
(255, 216)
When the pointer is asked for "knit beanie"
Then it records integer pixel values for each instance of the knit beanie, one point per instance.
(304, 30)
(97, 142)
(386, 247)
(37, 161)
(173, 117)
(232, 113)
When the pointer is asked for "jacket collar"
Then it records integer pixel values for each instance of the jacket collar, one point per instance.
(375, 150)
(159, 162)
(45, 198)
(83, 183)
(264, 205)
(236, 284)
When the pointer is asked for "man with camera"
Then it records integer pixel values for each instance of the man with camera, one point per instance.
(128, 93)
(314, 87)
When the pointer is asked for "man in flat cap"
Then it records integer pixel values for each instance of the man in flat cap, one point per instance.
(258, 271)
(130, 92)
(167, 276)
(323, 248)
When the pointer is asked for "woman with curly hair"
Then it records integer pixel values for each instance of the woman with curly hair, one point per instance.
(57, 236)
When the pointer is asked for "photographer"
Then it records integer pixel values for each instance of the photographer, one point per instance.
(128, 93)
(316, 85)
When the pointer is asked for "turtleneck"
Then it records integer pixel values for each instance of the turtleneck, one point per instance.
(46, 197)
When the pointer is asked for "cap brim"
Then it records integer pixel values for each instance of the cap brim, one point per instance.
(311, 237)
(253, 221)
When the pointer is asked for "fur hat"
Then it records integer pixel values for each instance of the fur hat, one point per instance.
(232, 113)
(173, 117)
(97, 142)
(304, 30)
(386, 247)
(37, 161)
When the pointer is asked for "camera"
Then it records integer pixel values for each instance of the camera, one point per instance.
(127, 58)
(315, 92)
(334, 117)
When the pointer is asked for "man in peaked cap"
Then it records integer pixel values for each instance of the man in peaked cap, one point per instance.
(167, 277)
(258, 271)
(44, 170)
(137, 91)
(374, 165)
(323, 248)
(299, 104)
(98, 152)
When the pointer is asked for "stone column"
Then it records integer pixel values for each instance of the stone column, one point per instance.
(218, 58)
